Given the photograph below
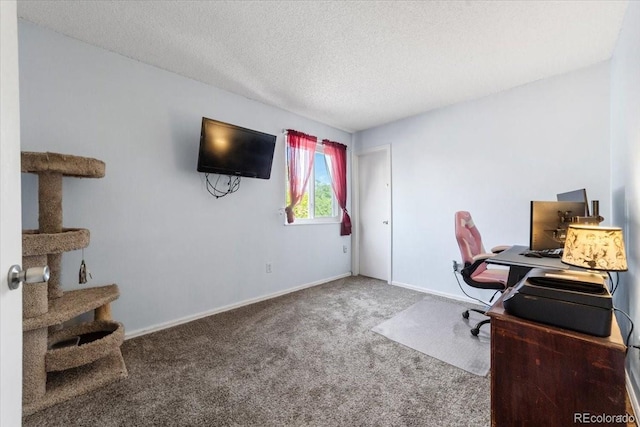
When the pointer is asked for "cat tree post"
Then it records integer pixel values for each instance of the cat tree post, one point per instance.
(50, 221)
(34, 342)
(103, 312)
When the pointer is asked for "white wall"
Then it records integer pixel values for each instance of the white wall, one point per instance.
(174, 250)
(625, 168)
(491, 156)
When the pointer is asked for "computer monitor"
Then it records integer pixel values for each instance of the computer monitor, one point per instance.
(576, 196)
(549, 222)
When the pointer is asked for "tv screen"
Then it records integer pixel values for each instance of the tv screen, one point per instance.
(227, 149)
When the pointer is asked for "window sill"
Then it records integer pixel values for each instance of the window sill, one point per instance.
(316, 221)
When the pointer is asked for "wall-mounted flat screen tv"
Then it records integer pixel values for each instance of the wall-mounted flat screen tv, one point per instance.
(227, 149)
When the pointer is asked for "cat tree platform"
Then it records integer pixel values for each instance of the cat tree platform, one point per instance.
(63, 164)
(68, 239)
(73, 304)
(82, 344)
(59, 361)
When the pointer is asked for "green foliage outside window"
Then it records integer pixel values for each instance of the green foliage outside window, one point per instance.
(301, 210)
(324, 205)
(323, 202)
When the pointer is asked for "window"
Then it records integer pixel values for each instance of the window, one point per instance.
(318, 203)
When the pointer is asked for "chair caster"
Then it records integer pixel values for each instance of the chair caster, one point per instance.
(475, 331)
(465, 315)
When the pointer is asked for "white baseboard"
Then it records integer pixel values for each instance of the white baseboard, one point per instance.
(436, 293)
(187, 319)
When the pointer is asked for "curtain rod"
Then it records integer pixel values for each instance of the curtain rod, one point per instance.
(285, 131)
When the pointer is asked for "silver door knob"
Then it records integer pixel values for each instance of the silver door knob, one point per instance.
(31, 275)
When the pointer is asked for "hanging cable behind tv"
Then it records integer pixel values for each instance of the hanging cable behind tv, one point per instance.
(219, 189)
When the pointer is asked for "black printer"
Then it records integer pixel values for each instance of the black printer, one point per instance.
(570, 299)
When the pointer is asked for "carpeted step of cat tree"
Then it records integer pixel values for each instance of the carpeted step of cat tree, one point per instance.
(82, 344)
(67, 165)
(70, 239)
(72, 304)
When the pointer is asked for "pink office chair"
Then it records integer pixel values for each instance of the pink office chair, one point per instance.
(474, 271)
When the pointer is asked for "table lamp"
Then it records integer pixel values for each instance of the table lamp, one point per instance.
(595, 248)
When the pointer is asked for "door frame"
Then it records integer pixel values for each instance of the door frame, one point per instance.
(10, 219)
(356, 187)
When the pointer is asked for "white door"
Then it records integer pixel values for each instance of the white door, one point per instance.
(374, 213)
(10, 220)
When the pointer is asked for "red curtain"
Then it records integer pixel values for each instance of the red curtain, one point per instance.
(336, 155)
(301, 150)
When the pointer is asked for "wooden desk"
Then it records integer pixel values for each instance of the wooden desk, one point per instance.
(542, 375)
(519, 265)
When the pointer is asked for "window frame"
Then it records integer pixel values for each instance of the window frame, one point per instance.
(335, 218)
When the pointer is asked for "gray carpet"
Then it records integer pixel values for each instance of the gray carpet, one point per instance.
(304, 359)
(435, 326)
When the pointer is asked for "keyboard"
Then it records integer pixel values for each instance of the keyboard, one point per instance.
(543, 253)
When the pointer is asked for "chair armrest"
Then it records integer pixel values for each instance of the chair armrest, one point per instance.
(501, 248)
(482, 257)
(478, 260)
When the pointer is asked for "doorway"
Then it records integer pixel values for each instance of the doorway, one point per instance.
(373, 231)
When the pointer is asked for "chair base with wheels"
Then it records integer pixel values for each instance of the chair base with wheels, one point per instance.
(476, 329)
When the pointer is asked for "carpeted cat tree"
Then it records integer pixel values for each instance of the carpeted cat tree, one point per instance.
(59, 361)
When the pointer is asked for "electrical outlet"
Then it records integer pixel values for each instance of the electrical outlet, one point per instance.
(344, 249)
(268, 267)
(455, 265)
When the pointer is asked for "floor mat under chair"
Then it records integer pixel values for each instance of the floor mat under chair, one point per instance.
(434, 326)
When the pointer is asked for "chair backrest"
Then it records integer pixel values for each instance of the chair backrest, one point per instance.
(468, 237)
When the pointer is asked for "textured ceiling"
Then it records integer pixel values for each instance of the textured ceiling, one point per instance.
(352, 65)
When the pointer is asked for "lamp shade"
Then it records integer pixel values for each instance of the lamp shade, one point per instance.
(595, 248)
